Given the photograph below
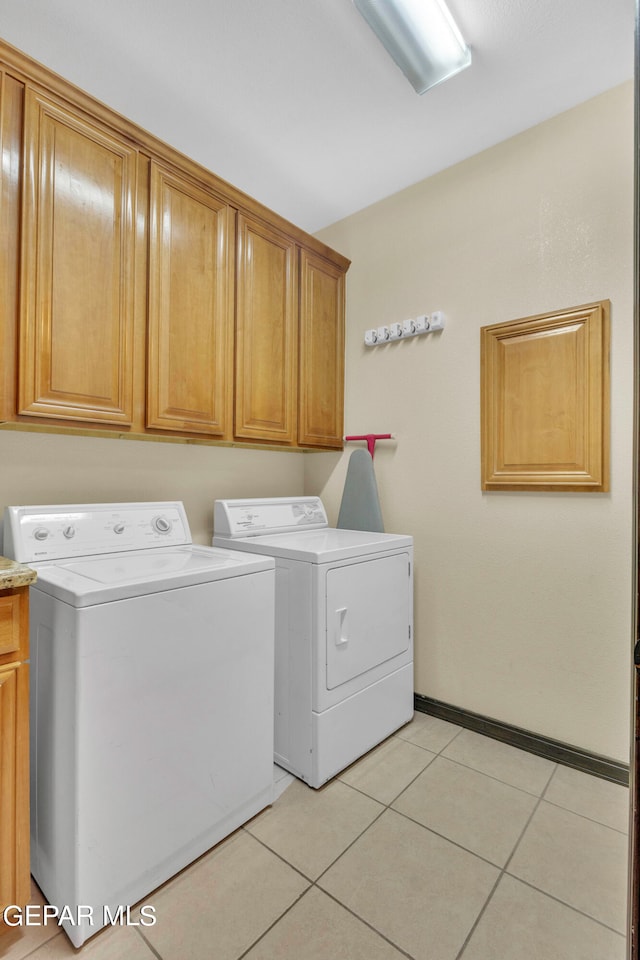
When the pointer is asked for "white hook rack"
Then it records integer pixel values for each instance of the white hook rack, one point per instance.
(424, 323)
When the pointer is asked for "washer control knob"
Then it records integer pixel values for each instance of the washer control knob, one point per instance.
(41, 533)
(118, 528)
(161, 524)
(68, 532)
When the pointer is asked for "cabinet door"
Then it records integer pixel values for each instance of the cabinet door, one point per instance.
(190, 308)
(14, 625)
(14, 785)
(321, 400)
(76, 342)
(266, 334)
(11, 122)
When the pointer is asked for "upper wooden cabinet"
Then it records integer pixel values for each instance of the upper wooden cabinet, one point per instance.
(11, 113)
(77, 267)
(321, 352)
(266, 333)
(142, 294)
(190, 307)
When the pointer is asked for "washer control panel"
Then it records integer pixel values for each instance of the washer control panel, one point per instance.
(58, 532)
(254, 518)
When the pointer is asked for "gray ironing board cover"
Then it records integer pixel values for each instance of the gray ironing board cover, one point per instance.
(360, 507)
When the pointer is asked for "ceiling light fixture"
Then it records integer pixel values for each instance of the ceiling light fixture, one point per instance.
(421, 36)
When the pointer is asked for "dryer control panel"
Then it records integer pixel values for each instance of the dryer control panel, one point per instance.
(58, 532)
(254, 518)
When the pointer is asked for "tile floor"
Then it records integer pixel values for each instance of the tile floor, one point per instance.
(440, 844)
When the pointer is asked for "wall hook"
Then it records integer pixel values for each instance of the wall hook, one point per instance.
(371, 439)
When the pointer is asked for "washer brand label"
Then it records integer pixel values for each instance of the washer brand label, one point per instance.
(34, 915)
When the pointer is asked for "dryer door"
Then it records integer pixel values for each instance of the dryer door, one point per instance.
(368, 616)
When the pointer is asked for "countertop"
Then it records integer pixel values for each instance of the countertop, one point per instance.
(14, 574)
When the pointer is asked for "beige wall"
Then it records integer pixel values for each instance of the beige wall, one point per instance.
(46, 468)
(522, 600)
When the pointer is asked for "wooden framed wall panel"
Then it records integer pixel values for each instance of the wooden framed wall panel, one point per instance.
(190, 307)
(545, 402)
(266, 333)
(77, 306)
(321, 352)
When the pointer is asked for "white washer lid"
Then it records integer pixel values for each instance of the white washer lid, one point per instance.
(319, 546)
(87, 581)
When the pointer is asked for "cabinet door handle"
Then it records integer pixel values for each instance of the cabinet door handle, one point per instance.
(340, 638)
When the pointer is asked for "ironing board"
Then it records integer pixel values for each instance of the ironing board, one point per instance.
(360, 506)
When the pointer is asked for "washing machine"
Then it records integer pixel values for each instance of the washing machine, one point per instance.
(344, 630)
(151, 699)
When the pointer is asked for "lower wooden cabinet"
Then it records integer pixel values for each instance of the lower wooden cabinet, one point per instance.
(15, 884)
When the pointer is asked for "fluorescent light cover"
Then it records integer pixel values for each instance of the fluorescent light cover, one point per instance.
(421, 36)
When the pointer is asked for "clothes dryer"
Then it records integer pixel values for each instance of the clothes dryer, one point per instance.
(151, 699)
(344, 629)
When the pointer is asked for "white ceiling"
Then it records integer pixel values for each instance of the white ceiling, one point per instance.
(296, 102)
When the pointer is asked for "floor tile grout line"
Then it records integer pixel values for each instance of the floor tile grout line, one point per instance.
(341, 854)
(411, 743)
(564, 903)
(314, 883)
(441, 753)
(477, 920)
(583, 816)
(503, 869)
(442, 836)
(454, 737)
(38, 946)
(366, 923)
(529, 819)
(354, 841)
(556, 767)
(466, 766)
(280, 857)
(542, 799)
(449, 742)
(153, 950)
(275, 922)
(363, 793)
(429, 749)
(483, 736)
(388, 806)
(385, 808)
